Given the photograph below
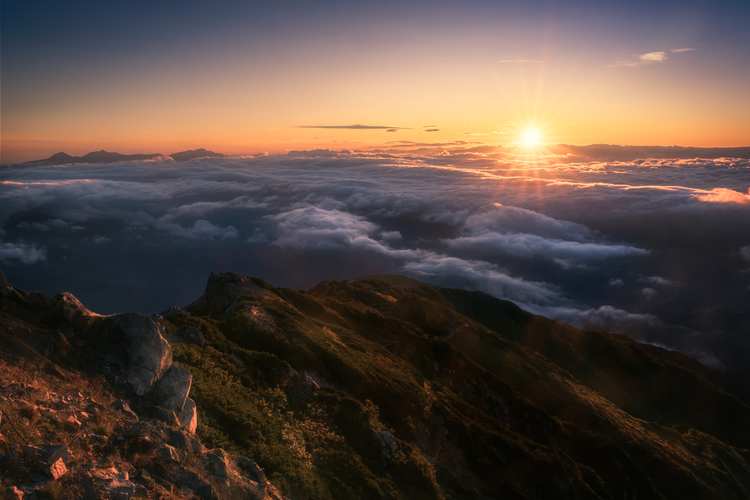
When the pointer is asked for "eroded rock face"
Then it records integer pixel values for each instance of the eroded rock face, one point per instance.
(189, 416)
(134, 342)
(68, 308)
(173, 388)
(222, 292)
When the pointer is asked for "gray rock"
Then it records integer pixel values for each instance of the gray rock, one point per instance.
(55, 452)
(189, 416)
(57, 469)
(173, 388)
(123, 406)
(167, 453)
(133, 342)
(179, 440)
(220, 462)
(33, 452)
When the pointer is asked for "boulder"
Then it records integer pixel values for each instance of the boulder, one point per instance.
(134, 343)
(189, 416)
(167, 453)
(55, 452)
(173, 388)
(179, 440)
(57, 469)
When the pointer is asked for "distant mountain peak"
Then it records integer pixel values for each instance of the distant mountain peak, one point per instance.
(195, 153)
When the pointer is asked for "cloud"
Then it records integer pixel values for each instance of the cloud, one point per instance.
(432, 130)
(356, 126)
(651, 57)
(605, 318)
(483, 276)
(201, 229)
(316, 228)
(520, 61)
(575, 233)
(100, 240)
(657, 280)
(12, 253)
(528, 245)
(724, 195)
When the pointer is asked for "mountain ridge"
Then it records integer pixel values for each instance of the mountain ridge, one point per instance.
(392, 388)
(103, 156)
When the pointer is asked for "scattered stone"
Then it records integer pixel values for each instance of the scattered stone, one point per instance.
(167, 453)
(145, 474)
(57, 469)
(72, 420)
(124, 407)
(139, 430)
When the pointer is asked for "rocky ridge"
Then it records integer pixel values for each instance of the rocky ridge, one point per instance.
(92, 406)
(380, 388)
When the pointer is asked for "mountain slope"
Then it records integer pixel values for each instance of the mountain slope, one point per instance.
(487, 396)
(385, 388)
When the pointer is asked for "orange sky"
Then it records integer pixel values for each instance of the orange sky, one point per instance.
(470, 81)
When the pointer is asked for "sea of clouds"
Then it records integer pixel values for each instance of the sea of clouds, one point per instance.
(654, 247)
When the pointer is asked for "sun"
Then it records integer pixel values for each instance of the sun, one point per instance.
(531, 138)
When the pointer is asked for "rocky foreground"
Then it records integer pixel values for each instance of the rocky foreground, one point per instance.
(73, 434)
(380, 388)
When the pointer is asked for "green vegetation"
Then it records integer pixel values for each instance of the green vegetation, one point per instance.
(388, 389)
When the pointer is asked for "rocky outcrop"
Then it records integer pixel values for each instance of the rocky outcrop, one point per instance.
(110, 454)
(223, 291)
(189, 416)
(173, 388)
(132, 344)
(187, 335)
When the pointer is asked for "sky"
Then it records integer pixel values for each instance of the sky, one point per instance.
(250, 77)
(587, 160)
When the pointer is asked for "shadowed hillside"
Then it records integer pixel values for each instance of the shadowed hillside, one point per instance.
(384, 388)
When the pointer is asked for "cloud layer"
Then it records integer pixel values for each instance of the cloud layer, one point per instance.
(608, 237)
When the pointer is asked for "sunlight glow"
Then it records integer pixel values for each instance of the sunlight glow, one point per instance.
(531, 138)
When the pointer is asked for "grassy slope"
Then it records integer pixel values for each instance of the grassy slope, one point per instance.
(482, 398)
